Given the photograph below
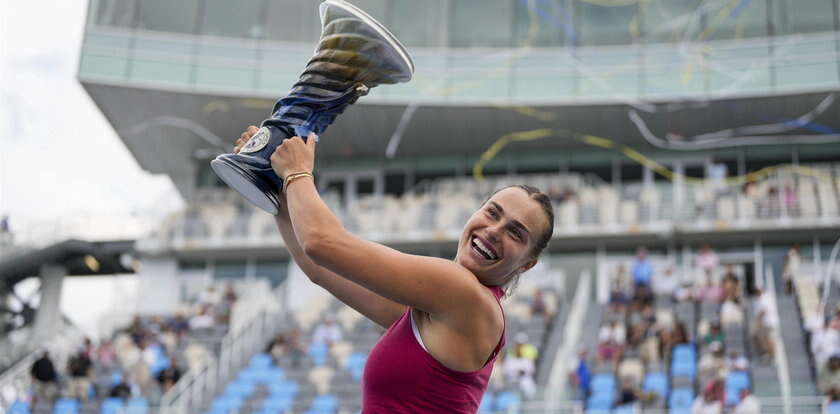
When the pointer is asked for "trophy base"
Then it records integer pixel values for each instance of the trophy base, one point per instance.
(251, 184)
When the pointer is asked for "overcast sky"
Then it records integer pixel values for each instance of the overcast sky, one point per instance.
(60, 158)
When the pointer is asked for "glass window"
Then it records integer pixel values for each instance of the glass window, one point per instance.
(543, 23)
(168, 16)
(607, 25)
(737, 20)
(482, 23)
(229, 270)
(242, 18)
(418, 23)
(275, 271)
(293, 20)
(667, 21)
(797, 16)
(114, 13)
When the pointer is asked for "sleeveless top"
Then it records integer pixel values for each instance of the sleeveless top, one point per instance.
(401, 377)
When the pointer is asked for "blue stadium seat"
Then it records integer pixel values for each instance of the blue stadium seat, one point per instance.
(111, 406)
(487, 401)
(624, 409)
(138, 405)
(681, 399)
(684, 369)
(356, 364)
(684, 351)
(602, 382)
(261, 360)
(735, 382)
(242, 389)
(278, 403)
(284, 388)
(656, 382)
(19, 407)
(319, 353)
(600, 401)
(506, 400)
(66, 406)
(323, 404)
(834, 408)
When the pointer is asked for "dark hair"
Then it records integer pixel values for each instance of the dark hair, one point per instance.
(535, 194)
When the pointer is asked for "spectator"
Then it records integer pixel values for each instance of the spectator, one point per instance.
(169, 376)
(287, 343)
(525, 348)
(825, 342)
(707, 260)
(829, 376)
(179, 325)
(120, 390)
(736, 362)
(79, 369)
(684, 293)
(642, 268)
(713, 363)
(538, 306)
(666, 283)
(580, 374)
(611, 340)
(327, 332)
(715, 334)
(210, 297)
(749, 404)
(628, 393)
(642, 297)
(203, 320)
(619, 300)
(519, 370)
(106, 355)
(44, 379)
(707, 403)
(791, 268)
(709, 291)
(731, 286)
(621, 277)
(764, 324)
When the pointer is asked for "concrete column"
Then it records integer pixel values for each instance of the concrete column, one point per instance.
(48, 315)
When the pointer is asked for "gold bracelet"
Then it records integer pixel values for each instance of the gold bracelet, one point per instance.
(295, 176)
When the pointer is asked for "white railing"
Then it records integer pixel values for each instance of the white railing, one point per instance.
(782, 370)
(199, 385)
(571, 334)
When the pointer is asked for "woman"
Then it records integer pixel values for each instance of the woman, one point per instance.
(445, 323)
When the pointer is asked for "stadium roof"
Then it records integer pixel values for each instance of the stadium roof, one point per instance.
(80, 258)
(167, 130)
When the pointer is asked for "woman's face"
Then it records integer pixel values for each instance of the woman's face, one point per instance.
(499, 238)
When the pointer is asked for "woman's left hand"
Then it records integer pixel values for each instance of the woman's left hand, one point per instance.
(293, 155)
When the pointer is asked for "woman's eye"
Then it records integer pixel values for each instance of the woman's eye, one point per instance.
(493, 213)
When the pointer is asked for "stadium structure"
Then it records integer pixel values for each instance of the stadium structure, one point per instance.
(704, 131)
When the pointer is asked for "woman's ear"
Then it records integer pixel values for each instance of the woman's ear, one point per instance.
(527, 266)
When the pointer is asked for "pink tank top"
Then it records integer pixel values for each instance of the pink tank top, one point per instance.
(401, 377)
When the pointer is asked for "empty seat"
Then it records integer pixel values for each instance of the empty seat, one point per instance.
(137, 405)
(66, 406)
(111, 406)
(603, 383)
(681, 399)
(656, 382)
(19, 407)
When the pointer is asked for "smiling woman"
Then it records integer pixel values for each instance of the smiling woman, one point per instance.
(444, 319)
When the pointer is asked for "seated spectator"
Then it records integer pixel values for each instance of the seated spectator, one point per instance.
(287, 343)
(642, 268)
(520, 370)
(628, 393)
(611, 340)
(642, 297)
(169, 376)
(538, 305)
(120, 390)
(684, 293)
(106, 356)
(619, 299)
(736, 362)
(709, 291)
(825, 342)
(731, 313)
(79, 368)
(580, 374)
(829, 376)
(749, 403)
(327, 332)
(210, 297)
(707, 403)
(731, 286)
(666, 283)
(179, 325)
(715, 334)
(523, 347)
(621, 276)
(713, 362)
(204, 319)
(707, 260)
(44, 379)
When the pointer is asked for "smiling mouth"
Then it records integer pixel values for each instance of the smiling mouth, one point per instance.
(483, 249)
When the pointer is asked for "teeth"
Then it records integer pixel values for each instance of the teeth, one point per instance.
(484, 248)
